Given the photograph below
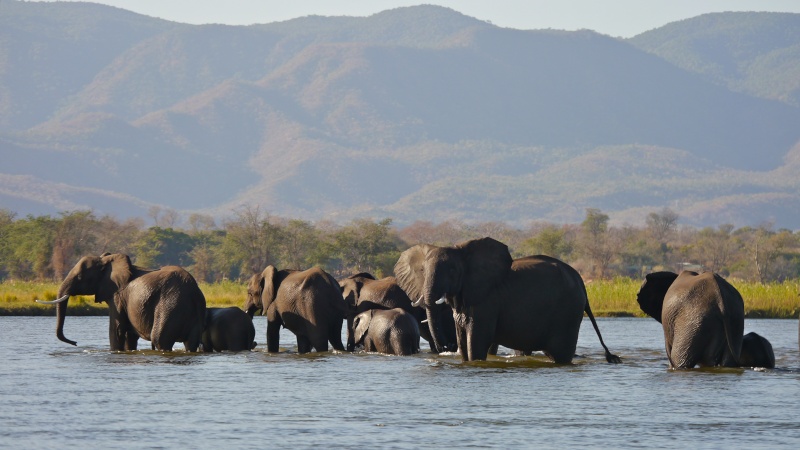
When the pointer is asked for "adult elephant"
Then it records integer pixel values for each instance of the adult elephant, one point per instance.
(362, 292)
(532, 303)
(390, 331)
(228, 329)
(163, 306)
(756, 352)
(702, 316)
(308, 303)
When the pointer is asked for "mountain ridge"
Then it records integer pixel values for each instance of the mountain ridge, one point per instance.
(413, 113)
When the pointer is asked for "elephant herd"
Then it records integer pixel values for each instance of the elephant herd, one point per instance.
(469, 298)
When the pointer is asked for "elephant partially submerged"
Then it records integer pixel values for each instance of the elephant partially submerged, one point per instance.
(163, 306)
(533, 303)
(390, 331)
(702, 316)
(756, 352)
(308, 303)
(228, 329)
(362, 292)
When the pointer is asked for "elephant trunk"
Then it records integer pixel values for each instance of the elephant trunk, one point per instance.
(434, 323)
(61, 314)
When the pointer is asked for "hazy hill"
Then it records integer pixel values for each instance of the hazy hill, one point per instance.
(756, 53)
(413, 113)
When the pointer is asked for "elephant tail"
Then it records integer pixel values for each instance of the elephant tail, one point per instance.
(610, 357)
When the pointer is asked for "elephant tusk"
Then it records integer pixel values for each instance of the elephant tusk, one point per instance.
(442, 300)
(53, 302)
(424, 321)
(418, 302)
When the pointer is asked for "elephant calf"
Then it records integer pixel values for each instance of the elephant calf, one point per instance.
(756, 352)
(228, 329)
(392, 331)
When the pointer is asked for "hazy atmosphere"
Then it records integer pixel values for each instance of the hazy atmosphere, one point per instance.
(471, 111)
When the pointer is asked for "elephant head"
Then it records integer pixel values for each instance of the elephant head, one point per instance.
(653, 291)
(262, 289)
(351, 288)
(756, 352)
(102, 276)
(361, 326)
(463, 276)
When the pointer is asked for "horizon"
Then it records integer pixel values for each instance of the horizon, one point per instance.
(618, 18)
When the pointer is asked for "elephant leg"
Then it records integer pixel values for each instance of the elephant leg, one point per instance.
(480, 336)
(193, 342)
(304, 344)
(335, 338)
(273, 336)
(131, 340)
(493, 349)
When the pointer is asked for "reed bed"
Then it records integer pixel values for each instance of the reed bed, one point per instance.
(608, 298)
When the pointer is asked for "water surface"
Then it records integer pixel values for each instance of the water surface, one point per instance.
(56, 396)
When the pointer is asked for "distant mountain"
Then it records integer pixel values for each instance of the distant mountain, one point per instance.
(412, 113)
(756, 53)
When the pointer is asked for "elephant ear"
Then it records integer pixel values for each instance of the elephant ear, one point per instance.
(117, 273)
(351, 288)
(410, 270)
(654, 289)
(487, 262)
(361, 325)
(732, 308)
(269, 285)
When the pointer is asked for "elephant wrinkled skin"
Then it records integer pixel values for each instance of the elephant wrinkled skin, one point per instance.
(308, 303)
(702, 316)
(362, 292)
(532, 303)
(228, 329)
(392, 331)
(163, 306)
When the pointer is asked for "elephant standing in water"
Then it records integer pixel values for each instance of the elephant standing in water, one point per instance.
(308, 303)
(702, 316)
(362, 292)
(390, 331)
(756, 352)
(228, 329)
(163, 306)
(533, 303)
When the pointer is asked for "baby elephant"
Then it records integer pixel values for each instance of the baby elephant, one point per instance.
(391, 331)
(228, 329)
(756, 352)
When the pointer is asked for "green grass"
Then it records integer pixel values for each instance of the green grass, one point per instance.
(615, 297)
(17, 298)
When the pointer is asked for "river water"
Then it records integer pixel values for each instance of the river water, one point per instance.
(58, 396)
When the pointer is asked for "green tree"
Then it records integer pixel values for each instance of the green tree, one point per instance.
(550, 240)
(367, 246)
(160, 247)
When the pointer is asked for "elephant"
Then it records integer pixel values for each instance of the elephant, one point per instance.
(390, 331)
(532, 303)
(362, 292)
(228, 329)
(756, 352)
(163, 306)
(308, 303)
(702, 316)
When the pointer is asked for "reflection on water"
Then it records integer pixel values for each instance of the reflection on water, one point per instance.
(56, 395)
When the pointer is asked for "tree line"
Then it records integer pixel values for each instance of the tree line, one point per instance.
(46, 247)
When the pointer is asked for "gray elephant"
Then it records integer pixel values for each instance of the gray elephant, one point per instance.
(702, 316)
(308, 303)
(362, 292)
(228, 329)
(532, 303)
(163, 306)
(390, 331)
(756, 352)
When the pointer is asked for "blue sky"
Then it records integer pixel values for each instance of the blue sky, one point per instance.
(623, 18)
